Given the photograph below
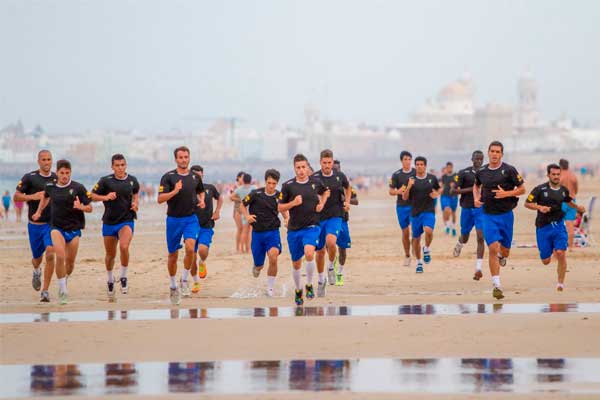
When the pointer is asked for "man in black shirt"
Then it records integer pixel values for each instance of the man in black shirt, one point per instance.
(470, 216)
(68, 201)
(183, 191)
(449, 199)
(331, 217)
(551, 233)
(304, 197)
(343, 240)
(206, 219)
(421, 190)
(260, 209)
(119, 192)
(398, 183)
(497, 187)
(31, 189)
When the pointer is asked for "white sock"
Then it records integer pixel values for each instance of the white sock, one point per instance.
(270, 282)
(341, 269)
(321, 277)
(185, 275)
(560, 285)
(123, 271)
(459, 244)
(496, 281)
(296, 274)
(310, 270)
(36, 269)
(425, 248)
(173, 282)
(111, 279)
(500, 256)
(452, 225)
(479, 263)
(196, 278)
(62, 284)
(330, 266)
(419, 261)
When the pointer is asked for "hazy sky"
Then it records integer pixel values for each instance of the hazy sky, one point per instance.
(113, 63)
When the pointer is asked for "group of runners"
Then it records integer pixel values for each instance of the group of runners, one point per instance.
(314, 207)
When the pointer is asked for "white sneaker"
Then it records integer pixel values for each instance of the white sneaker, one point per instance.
(175, 297)
(270, 293)
(185, 288)
(331, 276)
(457, 249)
(407, 261)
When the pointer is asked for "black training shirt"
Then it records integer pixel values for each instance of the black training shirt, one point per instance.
(398, 180)
(505, 176)
(305, 214)
(545, 195)
(32, 183)
(184, 203)
(419, 196)
(264, 206)
(464, 180)
(118, 210)
(205, 214)
(62, 214)
(447, 181)
(346, 216)
(336, 183)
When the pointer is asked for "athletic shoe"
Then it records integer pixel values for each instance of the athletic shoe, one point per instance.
(560, 288)
(298, 299)
(45, 297)
(447, 231)
(454, 232)
(331, 276)
(339, 279)
(419, 269)
(310, 292)
(175, 297)
(111, 291)
(457, 249)
(427, 256)
(256, 272)
(36, 280)
(497, 293)
(478, 275)
(407, 261)
(320, 289)
(196, 287)
(63, 298)
(185, 288)
(124, 288)
(202, 271)
(502, 261)
(270, 293)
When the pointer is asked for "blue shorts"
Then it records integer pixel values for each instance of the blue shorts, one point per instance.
(343, 239)
(300, 238)
(39, 238)
(68, 235)
(205, 236)
(570, 213)
(177, 227)
(113, 230)
(498, 228)
(449, 202)
(330, 226)
(262, 242)
(420, 221)
(551, 237)
(469, 218)
(403, 213)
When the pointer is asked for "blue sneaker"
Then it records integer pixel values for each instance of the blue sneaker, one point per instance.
(454, 232)
(427, 256)
(447, 231)
(419, 269)
(298, 298)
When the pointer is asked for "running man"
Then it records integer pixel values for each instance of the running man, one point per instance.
(344, 241)
(31, 189)
(548, 200)
(497, 187)
(420, 192)
(398, 184)
(331, 217)
(183, 191)
(238, 195)
(304, 197)
(119, 192)
(237, 216)
(68, 201)
(569, 180)
(206, 218)
(470, 216)
(449, 199)
(260, 209)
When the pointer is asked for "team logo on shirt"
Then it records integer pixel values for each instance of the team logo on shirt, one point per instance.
(313, 186)
(545, 194)
(161, 189)
(337, 178)
(519, 178)
(429, 180)
(280, 196)
(70, 191)
(131, 183)
(455, 178)
(246, 199)
(502, 172)
(95, 187)
(530, 198)
(88, 194)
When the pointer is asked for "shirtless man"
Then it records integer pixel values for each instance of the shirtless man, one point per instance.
(569, 180)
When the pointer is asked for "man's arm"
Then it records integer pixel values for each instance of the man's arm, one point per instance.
(43, 204)
(406, 192)
(477, 196)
